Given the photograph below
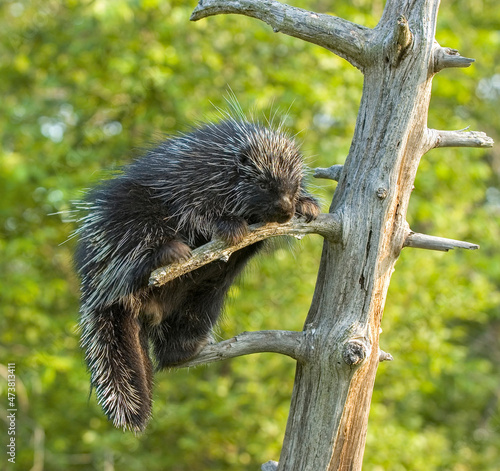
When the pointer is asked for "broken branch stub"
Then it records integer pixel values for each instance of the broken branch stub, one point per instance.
(445, 57)
(424, 241)
(463, 138)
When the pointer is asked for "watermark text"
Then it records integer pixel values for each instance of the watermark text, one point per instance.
(11, 412)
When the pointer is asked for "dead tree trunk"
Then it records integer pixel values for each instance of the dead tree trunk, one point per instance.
(338, 351)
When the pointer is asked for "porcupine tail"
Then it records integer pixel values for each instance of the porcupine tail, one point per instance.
(116, 352)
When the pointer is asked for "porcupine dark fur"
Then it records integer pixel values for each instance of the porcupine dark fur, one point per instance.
(215, 180)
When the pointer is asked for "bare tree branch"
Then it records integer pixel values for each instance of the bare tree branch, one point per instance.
(330, 173)
(346, 39)
(327, 225)
(423, 241)
(277, 341)
(384, 356)
(458, 139)
(445, 57)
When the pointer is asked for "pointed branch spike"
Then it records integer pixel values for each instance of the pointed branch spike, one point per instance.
(445, 57)
(330, 173)
(461, 138)
(384, 356)
(423, 241)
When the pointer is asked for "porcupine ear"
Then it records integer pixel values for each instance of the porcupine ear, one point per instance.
(243, 159)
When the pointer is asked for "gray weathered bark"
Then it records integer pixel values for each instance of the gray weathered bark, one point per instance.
(338, 352)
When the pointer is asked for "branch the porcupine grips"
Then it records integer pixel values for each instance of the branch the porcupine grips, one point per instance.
(327, 225)
(211, 182)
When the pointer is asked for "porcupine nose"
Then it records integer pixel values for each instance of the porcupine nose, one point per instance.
(285, 209)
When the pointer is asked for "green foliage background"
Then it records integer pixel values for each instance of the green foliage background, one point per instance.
(85, 84)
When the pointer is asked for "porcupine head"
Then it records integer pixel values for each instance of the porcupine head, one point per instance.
(212, 181)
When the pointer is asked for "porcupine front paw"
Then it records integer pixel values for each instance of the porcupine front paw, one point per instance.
(158, 256)
(231, 229)
(172, 252)
(307, 207)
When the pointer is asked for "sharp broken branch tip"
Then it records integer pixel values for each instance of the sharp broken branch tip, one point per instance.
(384, 356)
(445, 57)
(330, 173)
(428, 242)
(461, 138)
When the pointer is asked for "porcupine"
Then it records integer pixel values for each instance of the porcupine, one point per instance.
(213, 181)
